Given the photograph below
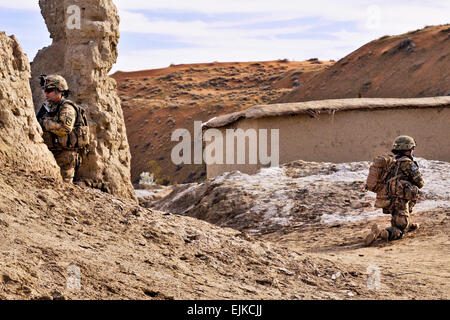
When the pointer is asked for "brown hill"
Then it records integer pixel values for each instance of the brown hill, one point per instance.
(415, 64)
(156, 102)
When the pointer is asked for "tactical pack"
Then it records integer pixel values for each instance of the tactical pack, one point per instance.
(398, 188)
(79, 137)
(385, 180)
(379, 172)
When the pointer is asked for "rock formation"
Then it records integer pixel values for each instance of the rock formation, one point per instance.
(85, 34)
(21, 144)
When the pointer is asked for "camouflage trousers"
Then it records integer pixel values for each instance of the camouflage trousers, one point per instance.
(67, 161)
(400, 209)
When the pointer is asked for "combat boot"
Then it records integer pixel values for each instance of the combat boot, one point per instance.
(373, 235)
(413, 227)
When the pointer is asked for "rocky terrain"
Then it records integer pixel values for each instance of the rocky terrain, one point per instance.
(20, 134)
(323, 209)
(410, 65)
(156, 102)
(123, 251)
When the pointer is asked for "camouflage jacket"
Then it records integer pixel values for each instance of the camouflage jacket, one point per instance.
(57, 122)
(408, 169)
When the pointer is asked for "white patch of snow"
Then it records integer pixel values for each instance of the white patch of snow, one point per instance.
(436, 175)
(352, 216)
(275, 193)
(141, 193)
(178, 196)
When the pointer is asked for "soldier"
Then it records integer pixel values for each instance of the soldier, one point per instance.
(57, 118)
(403, 185)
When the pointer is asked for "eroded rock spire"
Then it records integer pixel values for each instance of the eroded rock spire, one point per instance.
(85, 35)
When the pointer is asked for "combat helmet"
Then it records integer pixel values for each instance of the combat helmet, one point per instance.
(403, 143)
(54, 81)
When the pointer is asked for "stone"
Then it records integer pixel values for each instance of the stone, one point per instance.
(84, 56)
(21, 143)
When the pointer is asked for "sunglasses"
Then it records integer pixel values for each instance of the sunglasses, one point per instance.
(49, 90)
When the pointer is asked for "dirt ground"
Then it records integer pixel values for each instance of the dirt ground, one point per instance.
(54, 234)
(414, 267)
(59, 241)
(322, 209)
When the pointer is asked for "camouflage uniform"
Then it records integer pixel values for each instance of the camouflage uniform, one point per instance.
(403, 202)
(57, 121)
(403, 186)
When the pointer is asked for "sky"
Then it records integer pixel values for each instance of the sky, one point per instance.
(157, 33)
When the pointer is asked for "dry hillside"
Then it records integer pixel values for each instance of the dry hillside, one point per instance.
(415, 64)
(156, 102)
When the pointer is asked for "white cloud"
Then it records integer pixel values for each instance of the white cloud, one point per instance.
(305, 8)
(21, 4)
(241, 50)
(223, 40)
(194, 30)
(357, 23)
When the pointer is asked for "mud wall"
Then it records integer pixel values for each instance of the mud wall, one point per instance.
(347, 136)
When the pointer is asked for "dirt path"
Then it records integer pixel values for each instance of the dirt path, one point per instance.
(415, 267)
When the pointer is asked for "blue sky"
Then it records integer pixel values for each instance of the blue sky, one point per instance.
(157, 33)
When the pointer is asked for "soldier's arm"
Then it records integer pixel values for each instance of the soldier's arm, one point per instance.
(413, 172)
(64, 123)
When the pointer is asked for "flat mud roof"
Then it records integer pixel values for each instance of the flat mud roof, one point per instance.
(314, 108)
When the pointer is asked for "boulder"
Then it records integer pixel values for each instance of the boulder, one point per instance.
(21, 144)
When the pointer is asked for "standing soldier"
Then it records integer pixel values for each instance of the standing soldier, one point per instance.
(58, 118)
(403, 183)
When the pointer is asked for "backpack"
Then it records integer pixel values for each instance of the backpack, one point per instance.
(79, 137)
(385, 180)
(379, 171)
(400, 188)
